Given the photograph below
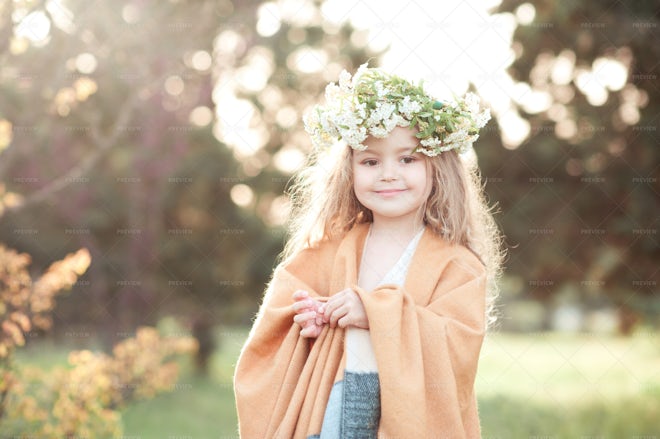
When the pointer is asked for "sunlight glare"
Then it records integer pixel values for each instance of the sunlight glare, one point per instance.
(84, 87)
(610, 73)
(174, 85)
(268, 19)
(298, 12)
(130, 13)
(514, 128)
(201, 116)
(562, 69)
(448, 44)
(288, 160)
(588, 84)
(537, 101)
(525, 13)
(201, 60)
(229, 42)
(565, 129)
(253, 76)
(6, 134)
(237, 124)
(62, 17)
(278, 212)
(86, 63)
(629, 113)
(34, 27)
(307, 60)
(242, 195)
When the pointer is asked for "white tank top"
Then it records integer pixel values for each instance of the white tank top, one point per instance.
(360, 355)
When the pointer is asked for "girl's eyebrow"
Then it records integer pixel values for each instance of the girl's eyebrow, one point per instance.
(410, 149)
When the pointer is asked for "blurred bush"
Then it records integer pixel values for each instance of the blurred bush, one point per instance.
(82, 399)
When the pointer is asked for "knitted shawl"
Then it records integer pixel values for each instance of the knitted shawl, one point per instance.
(426, 336)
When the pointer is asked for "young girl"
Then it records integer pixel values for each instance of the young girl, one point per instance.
(373, 321)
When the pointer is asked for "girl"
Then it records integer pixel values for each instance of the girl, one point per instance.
(373, 321)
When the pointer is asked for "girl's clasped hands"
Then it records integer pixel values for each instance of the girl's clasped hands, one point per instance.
(342, 309)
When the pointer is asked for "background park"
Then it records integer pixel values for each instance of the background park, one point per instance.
(145, 147)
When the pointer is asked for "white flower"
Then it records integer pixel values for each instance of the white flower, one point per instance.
(384, 110)
(431, 142)
(472, 102)
(345, 81)
(397, 103)
(332, 92)
(361, 110)
(394, 121)
(430, 145)
(380, 90)
(379, 131)
(360, 71)
(408, 107)
(311, 120)
(457, 136)
(482, 118)
(374, 119)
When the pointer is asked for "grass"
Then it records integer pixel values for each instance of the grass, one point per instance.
(198, 407)
(529, 386)
(570, 386)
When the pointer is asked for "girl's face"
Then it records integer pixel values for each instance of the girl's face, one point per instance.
(389, 179)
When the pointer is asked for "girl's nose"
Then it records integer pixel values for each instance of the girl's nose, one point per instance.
(388, 171)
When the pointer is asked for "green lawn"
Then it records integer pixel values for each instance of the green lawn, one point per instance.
(534, 385)
(568, 386)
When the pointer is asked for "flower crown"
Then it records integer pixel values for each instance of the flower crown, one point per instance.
(374, 103)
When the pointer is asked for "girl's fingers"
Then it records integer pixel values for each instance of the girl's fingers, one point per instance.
(336, 315)
(303, 317)
(344, 321)
(306, 332)
(320, 319)
(300, 295)
(327, 312)
(310, 332)
(301, 305)
(333, 303)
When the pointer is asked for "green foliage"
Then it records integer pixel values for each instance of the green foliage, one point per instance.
(83, 399)
(111, 160)
(577, 204)
(108, 159)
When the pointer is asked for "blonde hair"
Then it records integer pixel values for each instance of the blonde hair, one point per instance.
(324, 206)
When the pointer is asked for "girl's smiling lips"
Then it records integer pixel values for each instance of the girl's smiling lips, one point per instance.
(389, 192)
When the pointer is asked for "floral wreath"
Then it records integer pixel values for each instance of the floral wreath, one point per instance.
(374, 103)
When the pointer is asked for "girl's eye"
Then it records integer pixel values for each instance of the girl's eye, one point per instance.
(370, 162)
(408, 159)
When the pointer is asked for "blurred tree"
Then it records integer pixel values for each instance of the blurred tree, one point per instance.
(160, 136)
(580, 195)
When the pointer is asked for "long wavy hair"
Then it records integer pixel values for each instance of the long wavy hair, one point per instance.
(324, 206)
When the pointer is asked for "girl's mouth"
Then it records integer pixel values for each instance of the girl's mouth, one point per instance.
(390, 192)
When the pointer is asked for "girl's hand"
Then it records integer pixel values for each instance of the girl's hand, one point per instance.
(345, 309)
(308, 314)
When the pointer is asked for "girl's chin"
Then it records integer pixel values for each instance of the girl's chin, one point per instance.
(389, 215)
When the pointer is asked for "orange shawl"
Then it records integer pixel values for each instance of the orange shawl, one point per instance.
(426, 337)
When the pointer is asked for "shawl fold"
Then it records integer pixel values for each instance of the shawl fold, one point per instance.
(426, 336)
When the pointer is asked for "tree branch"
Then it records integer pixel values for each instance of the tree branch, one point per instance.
(102, 143)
